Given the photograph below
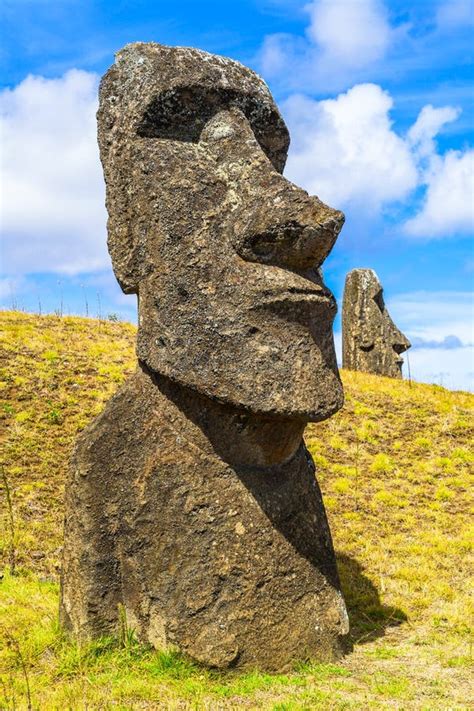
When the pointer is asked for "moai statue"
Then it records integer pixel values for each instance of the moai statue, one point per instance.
(192, 507)
(370, 340)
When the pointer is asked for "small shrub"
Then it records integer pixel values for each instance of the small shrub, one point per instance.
(442, 493)
(50, 356)
(423, 443)
(386, 497)
(336, 442)
(342, 485)
(382, 464)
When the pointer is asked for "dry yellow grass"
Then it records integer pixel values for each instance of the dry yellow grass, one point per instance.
(395, 466)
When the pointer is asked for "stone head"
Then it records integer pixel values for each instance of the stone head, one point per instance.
(371, 341)
(222, 251)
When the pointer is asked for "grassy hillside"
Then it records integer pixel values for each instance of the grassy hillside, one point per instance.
(394, 466)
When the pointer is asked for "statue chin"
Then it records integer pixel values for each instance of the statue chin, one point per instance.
(284, 372)
(322, 397)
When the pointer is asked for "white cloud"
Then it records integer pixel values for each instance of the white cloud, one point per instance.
(448, 342)
(427, 126)
(448, 204)
(276, 54)
(52, 213)
(345, 149)
(344, 39)
(348, 32)
(433, 315)
(453, 13)
(448, 207)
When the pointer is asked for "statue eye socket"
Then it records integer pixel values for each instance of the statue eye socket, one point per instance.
(175, 115)
(180, 114)
(378, 298)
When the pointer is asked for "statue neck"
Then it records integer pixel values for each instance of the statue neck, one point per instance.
(239, 437)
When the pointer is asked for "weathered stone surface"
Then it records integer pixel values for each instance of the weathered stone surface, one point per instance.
(192, 500)
(370, 340)
(227, 557)
(220, 247)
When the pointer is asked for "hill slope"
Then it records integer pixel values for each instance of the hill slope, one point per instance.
(394, 466)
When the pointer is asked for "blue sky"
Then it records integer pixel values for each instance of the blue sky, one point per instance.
(378, 97)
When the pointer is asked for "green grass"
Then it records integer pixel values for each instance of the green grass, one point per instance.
(395, 467)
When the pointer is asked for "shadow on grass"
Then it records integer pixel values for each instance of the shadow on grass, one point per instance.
(368, 617)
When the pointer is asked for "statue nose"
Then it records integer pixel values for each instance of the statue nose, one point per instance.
(401, 345)
(277, 223)
(287, 227)
(398, 340)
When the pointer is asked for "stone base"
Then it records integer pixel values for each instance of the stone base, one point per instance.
(232, 565)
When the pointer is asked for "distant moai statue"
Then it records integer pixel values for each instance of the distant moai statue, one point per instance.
(370, 340)
(192, 504)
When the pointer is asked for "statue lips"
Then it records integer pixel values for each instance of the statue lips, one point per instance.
(311, 303)
(398, 360)
(400, 344)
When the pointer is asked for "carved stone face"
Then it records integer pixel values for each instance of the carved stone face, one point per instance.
(222, 251)
(371, 341)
